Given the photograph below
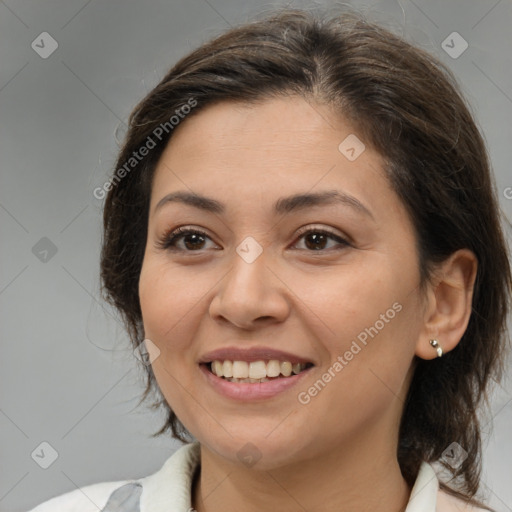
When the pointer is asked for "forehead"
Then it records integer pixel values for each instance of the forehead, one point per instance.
(287, 125)
(273, 148)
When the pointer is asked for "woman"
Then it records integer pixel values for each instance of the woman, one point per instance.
(302, 227)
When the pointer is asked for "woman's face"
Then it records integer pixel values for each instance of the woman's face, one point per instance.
(251, 282)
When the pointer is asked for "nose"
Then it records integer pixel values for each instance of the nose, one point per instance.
(250, 295)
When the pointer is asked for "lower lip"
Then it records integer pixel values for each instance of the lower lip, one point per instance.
(245, 391)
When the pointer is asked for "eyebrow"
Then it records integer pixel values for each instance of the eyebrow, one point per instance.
(283, 205)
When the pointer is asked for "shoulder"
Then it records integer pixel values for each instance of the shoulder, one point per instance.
(169, 485)
(90, 498)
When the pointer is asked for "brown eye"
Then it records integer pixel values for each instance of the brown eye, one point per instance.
(193, 240)
(317, 239)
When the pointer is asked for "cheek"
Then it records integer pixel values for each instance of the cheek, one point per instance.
(171, 300)
(373, 321)
(370, 381)
(346, 301)
(380, 352)
(169, 305)
(163, 292)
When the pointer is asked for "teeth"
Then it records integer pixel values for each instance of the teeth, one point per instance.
(273, 368)
(286, 368)
(227, 369)
(217, 367)
(255, 371)
(252, 381)
(240, 370)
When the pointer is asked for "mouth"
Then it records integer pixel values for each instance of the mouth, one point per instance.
(254, 372)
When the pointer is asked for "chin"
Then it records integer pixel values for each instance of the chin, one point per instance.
(261, 452)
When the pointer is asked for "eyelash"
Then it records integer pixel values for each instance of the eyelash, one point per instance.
(168, 240)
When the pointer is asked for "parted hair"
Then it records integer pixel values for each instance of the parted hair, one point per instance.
(407, 106)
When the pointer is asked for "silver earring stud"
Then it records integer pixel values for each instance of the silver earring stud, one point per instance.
(438, 348)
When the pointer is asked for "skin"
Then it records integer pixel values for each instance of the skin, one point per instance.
(338, 452)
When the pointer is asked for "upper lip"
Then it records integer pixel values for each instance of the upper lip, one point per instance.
(251, 354)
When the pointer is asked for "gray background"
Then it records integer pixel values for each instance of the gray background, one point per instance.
(67, 374)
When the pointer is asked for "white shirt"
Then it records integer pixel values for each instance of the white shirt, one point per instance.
(170, 490)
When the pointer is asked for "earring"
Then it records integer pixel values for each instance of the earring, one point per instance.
(438, 348)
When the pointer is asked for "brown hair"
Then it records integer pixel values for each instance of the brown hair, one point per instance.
(408, 107)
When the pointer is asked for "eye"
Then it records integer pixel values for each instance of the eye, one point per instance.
(193, 239)
(316, 238)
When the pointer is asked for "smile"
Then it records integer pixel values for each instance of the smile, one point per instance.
(255, 371)
(247, 389)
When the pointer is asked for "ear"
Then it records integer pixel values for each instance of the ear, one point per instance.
(448, 304)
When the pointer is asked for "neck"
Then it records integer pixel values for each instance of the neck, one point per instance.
(344, 479)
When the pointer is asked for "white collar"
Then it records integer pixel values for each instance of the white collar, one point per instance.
(424, 491)
(173, 482)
